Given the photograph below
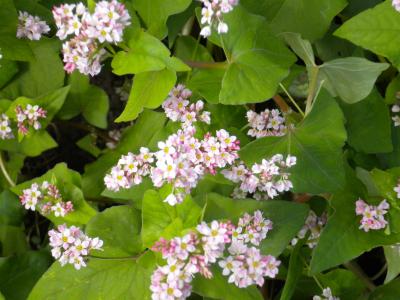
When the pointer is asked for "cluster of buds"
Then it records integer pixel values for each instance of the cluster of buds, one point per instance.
(124, 90)
(84, 51)
(326, 295)
(71, 246)
(31, 27)
(178, 108)
(396, 111)
(222, 243)
(396, 5)
(182, 160)
(212, 15)
(45, 198)
(29, 117)
(265, 180)
(5, 128)
(266, 123)
(314, 224)
(373, 217)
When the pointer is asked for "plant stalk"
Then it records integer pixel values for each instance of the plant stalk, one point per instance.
(4, 171)
(312, 88)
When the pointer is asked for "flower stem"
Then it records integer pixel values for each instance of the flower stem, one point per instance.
(4, 171)
(312, 88)
(355, 268)
(292, 100)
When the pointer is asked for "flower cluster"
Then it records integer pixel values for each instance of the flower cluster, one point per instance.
(178, 108)
(45, 198)
(106, 24)
(266, 123)
(71, 245)
(326, 295)
(182, 160)
(373, 217)
(314, 224)
(29, 117)
(396, 110)
(396, 5)
(265, 180)
(212, 15)
(31, 27)
(195, 253)
(5, 128)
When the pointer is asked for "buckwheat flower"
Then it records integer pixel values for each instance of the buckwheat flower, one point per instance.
(31, 27)
(372, 216)
(326, 295)
(115, 135)
(314, 224)
(71, 246)
(29, 117)
(5, 128)
(46, 199)
(396, 5)
(265, 181)
(396, 111)
(212, 15)
(177, 107)
(266, 123)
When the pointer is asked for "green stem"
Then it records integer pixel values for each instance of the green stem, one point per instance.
(312, 88)
(292, 100)
(353, 267)
(206, 65)
(223, 48)
(189, 74)
(111, 49)
(4, 170)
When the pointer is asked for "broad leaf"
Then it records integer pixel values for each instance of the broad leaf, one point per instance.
(375, 29)
(350, 78)
(369, 124)
(392, 256)
(149, 90)
(389, 291)
(317, 143)
(119, 228)
(342, 239)
(102, 279)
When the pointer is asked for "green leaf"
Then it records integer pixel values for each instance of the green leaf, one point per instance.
(369, 124)
(12, 240)
(8, 69)
(343, 284)
(287, 217)
(389, 291)
(218, 288)
(42, 75)
(254, 70)
(146, 53)
(87, 99)
(68, 183)
(88, 143)
(350, 78)
(301, 47)
(11, 47)
(11, 211)
(101, 279)
(288, 15)
(342, 240)
(392, 159)
(119, 228)
(392, 256)
(317, 143)
(156, 12)
(207, 83)
(294, 272)
(20, 273)
(375, 29)
(159, 219)
(149, 90)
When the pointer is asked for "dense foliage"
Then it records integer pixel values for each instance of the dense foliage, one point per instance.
(205, 149)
